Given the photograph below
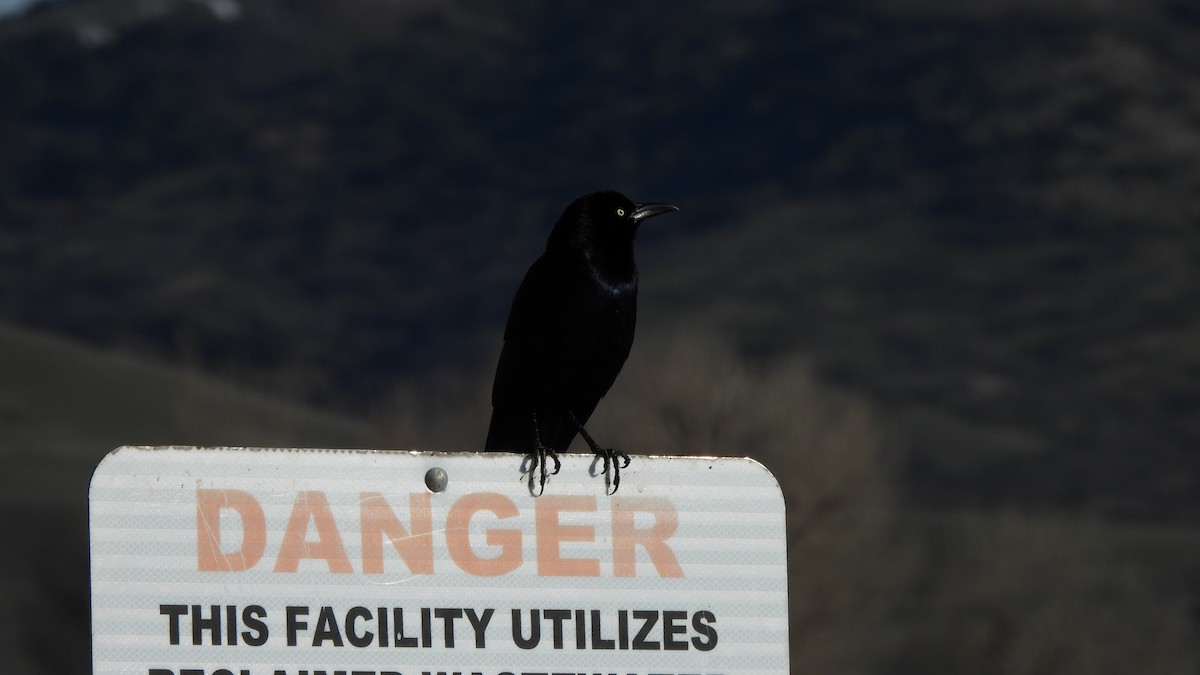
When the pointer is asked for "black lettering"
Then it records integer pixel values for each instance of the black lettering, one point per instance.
(535, 629)
(599, 642)
(702, 623)
(172, 612)
(230, 626)
(294, 623)
(580, 630)
(400, 640)
(671, 628)
(211, 624)
(426, 628)
(327, 629)
(623, 629)
(448, 615)
(161, 671)
(650, 618)
(352, 618)
(558, 616)
(480, 624)
(255, 634)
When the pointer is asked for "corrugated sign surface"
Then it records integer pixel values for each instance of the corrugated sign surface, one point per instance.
(300, 562)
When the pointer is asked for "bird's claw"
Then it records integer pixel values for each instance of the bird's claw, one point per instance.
(609, 456)
(537, 460)
(616, 460)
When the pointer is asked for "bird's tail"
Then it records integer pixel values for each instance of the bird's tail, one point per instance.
(512, 431)
(509, 432)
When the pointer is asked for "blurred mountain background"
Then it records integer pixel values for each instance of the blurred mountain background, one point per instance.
(936, 265)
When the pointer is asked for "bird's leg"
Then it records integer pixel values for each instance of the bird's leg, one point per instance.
(538, 458)
(609, 456)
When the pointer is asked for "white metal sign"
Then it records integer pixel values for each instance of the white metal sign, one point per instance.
(235, 561)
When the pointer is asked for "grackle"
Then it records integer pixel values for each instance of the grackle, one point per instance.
(568, 334)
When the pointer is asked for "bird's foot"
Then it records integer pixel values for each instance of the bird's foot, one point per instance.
(538, 459)
(614, 460)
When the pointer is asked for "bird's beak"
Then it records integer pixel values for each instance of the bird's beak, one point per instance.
(644, 211)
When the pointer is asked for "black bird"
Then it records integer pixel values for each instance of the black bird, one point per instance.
(569, 332)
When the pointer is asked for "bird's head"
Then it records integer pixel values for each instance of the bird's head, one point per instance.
(605, 219)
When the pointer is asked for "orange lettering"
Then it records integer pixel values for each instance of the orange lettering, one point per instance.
(209, 555)
(458, 522)
(626, 535)
(379, 521)
(312, 506)
(551, 533)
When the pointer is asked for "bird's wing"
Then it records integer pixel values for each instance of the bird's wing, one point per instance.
(525, 358)
(525, 337)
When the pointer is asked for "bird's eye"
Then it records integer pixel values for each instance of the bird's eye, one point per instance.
(620, 213)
